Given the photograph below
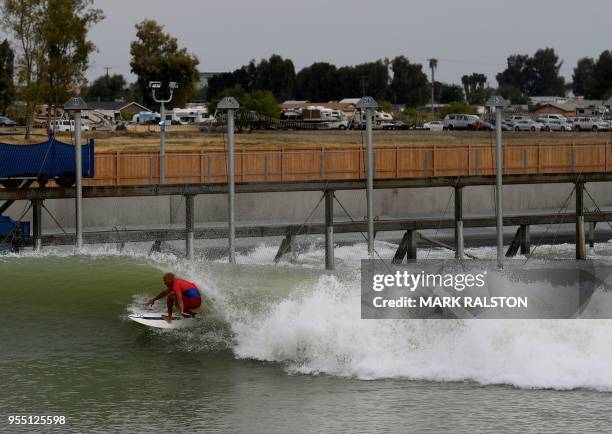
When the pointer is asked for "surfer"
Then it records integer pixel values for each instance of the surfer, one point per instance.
(184, 294)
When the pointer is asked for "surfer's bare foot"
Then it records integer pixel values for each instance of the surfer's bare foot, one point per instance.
(167, 318)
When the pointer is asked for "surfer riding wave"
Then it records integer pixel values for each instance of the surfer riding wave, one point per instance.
(180, 292)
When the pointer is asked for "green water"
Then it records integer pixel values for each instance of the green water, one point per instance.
(67, 349)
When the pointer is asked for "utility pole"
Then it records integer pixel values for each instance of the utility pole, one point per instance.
(433, 64)
(107, 69)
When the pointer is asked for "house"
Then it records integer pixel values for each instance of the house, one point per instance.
(576, 107)
(114, 110)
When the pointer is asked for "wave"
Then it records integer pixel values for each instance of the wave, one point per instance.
(308, 322)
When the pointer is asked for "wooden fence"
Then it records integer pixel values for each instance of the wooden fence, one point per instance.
(137, 167)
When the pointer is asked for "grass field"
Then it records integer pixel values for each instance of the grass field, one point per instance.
(191, 140)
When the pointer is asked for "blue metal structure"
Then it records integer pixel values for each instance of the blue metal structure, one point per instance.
(43, 161)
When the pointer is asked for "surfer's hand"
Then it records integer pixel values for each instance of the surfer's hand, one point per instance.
(150, 302)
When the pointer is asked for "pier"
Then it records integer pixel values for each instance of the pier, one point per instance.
(407, 249)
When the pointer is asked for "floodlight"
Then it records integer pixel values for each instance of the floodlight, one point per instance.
(155, 84)
(173, 85)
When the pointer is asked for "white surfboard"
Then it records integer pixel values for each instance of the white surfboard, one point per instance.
(155, 320)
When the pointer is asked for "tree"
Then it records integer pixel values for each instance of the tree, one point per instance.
(66, 49)
(7, 75)
(474, 87)
(537, 75)
(108, 88)
(276, 75)
(157, 57)
(583, 79)
(518, 74)
(602, 77)
(513, 94)
(546, 80)
(370, 79)
(22, 19)
(318, 82)
(409, 84)
(447, 93)
(457, 107)
(261, 101)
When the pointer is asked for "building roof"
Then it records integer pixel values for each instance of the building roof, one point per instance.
(571, 106)
(114, 105)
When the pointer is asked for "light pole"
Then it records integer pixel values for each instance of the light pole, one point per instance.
(75, 106)
(230, 105)
(155, 85)
(369, 105)
(498, 103)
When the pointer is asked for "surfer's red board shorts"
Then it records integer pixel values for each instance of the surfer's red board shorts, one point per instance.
(191, 303)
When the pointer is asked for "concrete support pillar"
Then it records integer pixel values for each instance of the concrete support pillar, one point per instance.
(287, 246)
(580, 239)
(525, 240)
(37, 223)
(592, 234)
(407, 247)
(459, 223)
(329, 230)
(189, 226)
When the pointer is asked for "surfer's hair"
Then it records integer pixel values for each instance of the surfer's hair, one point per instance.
(169, 276)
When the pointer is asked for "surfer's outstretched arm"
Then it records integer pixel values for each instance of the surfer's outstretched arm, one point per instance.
(162, 294)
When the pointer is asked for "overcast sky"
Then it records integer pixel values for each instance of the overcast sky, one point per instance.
(466, 36)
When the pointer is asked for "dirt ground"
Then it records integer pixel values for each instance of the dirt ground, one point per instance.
(192, 140)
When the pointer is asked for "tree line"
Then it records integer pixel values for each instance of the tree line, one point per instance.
(48, 54)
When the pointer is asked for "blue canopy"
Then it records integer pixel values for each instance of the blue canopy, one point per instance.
(51, 159)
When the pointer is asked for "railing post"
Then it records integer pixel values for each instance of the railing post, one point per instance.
(208, 168)
(458, 222)
(37, 223)
(321, 166)
(329, 230)
(526, 159)
(477, 162)
(573, 158)
(425, 163)
(201, 167)
(151, 169)
(580, 241)
(117, 166)
(189, 226)
(265, 166)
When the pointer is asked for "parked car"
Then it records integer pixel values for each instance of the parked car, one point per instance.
(590, 124)
(554, 116)
(517, 118)
(550, 124)
(433, 126)
(507, 126)
(459, 121)
(527, 125)
(66, 126)
(479, 125)
(394, 125)
(6, 122)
